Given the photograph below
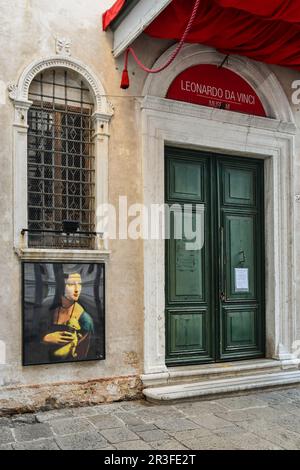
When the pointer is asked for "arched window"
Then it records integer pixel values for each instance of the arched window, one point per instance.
(61, 136)
(61, 163)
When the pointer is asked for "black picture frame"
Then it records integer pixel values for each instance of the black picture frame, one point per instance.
(51, 312)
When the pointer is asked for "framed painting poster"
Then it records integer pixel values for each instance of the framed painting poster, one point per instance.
(63, 312)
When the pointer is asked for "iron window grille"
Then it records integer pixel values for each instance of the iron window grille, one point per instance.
(61, 164)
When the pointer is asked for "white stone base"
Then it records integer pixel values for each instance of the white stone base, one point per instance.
(218, 379)
(212, 388)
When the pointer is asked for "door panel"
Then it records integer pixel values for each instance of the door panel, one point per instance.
(187, 279)
(189, 300)
(187, 332)
(238, 186)
(215, 291)
(240, 329)
(186, 181)
(240, 262)
(240, 213)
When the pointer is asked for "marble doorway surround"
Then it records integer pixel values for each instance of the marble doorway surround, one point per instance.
(165, 122)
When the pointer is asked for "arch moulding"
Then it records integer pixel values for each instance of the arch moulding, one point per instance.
(19, 92)
(257, 74)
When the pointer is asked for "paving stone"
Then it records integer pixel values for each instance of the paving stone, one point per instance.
(241, 403)
(5, 422)
(288, 440)
(6, 447)
(286, 408)
(82, 441)
(273, 398)
(210, 421)
(116, 435)
(133, 406)
(181, 424)
(110, 447)
(262, 420)
(270, 413)
(85, 411)
(295, 401)
(249, 441)
(142, 427)
(291, 393)
(198, 408)
(129, 419)
(153, 414)
(253, 425)
(186, 436)
(27, 418)
(170, 444)
(290, 422)
(163, 409)
(212, 442)
(228, 430)
(67, 426)
(237, 415)
(41, 444)
(109, 408)
(153, 435)
(133, 445)
(29, 432)
(6, 435)
(46, 416)
(105, 421)
(282, 437)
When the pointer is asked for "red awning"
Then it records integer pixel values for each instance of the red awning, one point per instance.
(267, 31)
(285, 10)
(112, 13)
(264, 30)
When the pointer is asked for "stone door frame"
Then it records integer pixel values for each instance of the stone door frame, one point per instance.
(165, 122)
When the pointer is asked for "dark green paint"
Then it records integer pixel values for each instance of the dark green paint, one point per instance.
(207, 318)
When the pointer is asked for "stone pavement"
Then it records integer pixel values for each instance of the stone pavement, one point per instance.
(262, 420)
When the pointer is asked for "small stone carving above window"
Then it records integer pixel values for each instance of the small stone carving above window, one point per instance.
(63, 46)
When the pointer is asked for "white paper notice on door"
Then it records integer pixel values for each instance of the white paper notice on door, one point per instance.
(241, 277)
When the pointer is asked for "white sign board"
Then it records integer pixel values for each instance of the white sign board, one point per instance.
(241, 278)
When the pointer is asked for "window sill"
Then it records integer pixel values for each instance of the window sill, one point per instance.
(42, 254)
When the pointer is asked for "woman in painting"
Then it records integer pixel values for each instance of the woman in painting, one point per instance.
(69, 329)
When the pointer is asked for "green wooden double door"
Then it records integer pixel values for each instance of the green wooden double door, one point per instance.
(214, 258)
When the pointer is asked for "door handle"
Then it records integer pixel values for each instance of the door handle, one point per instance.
(243, 256)
(222, 296)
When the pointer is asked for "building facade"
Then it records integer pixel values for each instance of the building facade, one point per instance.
(166, 320)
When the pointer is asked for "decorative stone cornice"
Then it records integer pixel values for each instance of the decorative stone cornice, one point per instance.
(102, 117)
(202, 112)
(31, 254)
(21, 113)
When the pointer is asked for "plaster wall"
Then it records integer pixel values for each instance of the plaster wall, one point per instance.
(28, 30)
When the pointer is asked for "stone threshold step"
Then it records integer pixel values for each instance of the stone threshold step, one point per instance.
(171, 393)
(177, 375)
